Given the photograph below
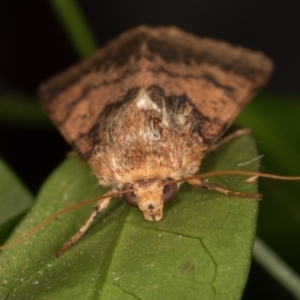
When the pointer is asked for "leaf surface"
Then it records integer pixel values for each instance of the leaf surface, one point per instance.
(200, 250)
(14, 201)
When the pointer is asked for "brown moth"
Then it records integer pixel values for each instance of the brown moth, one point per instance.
(145, 109)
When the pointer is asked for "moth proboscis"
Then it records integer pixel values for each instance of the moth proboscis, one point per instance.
(146, 108)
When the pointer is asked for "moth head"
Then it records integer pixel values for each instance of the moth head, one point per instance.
(150, 195)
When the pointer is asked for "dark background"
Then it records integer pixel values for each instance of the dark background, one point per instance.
(33, 46)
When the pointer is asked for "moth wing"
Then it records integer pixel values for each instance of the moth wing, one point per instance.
(76, 98)
(216, 78)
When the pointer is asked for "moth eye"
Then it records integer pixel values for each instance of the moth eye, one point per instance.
(129, 197)
(169, 191)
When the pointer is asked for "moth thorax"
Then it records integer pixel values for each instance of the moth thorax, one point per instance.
(150, 195)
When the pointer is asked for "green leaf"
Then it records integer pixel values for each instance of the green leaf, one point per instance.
(75, 25)
(200, 250)
(21, 110)
(273, 121)
(14, 201)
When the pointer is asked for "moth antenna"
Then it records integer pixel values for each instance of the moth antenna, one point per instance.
(237, 172)
(61, 212)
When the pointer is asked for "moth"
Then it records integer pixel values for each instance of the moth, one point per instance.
(146, 108)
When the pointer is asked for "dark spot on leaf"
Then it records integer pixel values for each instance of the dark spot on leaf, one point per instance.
(186, 268)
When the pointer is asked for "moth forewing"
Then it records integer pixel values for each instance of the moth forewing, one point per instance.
(147, 107)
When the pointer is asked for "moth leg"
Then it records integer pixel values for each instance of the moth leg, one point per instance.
(228, 138)
(206, 185)
(101, 205)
